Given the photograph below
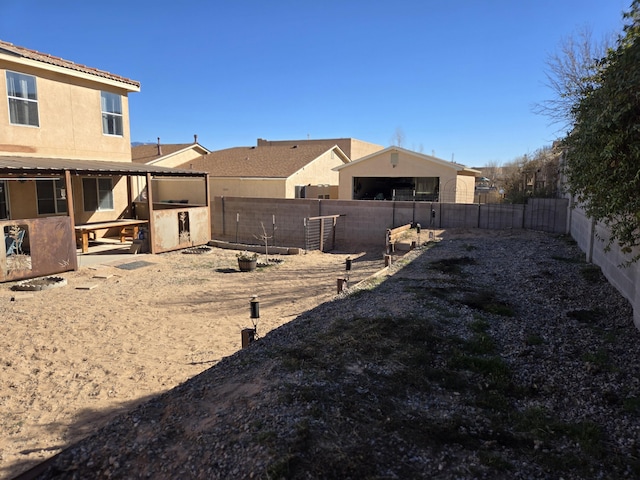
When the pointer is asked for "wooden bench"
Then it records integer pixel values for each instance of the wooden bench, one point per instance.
(128, 227)
(393, 235)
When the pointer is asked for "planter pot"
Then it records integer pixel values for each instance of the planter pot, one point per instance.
(247, 265)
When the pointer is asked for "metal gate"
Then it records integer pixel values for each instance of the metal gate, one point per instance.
(320, 233)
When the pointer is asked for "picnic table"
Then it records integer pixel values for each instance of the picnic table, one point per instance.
(126, 226)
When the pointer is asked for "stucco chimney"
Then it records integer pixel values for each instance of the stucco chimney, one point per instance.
(159, 147)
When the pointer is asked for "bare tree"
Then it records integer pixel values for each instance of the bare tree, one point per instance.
(491, 171)
(398, 137)
(570, 72)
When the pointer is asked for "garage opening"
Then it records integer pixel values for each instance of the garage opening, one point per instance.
(425, 189)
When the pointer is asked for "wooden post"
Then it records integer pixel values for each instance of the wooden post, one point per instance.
(129, 212)
(72, 216)
(152, 246)
(207, 194)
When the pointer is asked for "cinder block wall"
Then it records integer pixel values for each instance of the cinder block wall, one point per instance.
(365, 222)
(592, 239)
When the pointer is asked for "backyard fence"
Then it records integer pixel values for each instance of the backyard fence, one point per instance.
(364, 223)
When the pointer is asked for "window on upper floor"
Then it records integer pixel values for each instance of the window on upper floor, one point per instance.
(111, 105)
(23, 99)
(97, 194)
(52, 197)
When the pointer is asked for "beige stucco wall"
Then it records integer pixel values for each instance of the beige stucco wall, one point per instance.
(247, 187)
(321, 191)
(318, 172)
(176, 189)
(23, 200)
(361, 149)
(465, 189)
(407, 166)
(179, 159)
(70, 119)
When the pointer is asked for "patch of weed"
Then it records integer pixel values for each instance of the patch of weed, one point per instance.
(564, 259)
(585, 316)
(631, 405)
(479, 326)
(600, 359)
(452, 265)
(486, 301)
(494, 460)
(592, 274)
(533, 339)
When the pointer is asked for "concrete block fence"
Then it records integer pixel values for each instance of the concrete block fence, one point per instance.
(592, 238)
(364, 223)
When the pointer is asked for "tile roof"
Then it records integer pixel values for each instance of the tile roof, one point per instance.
(149, 152)
(6, 47)
(258, 162)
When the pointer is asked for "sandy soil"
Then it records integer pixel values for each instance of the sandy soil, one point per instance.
(71, 358)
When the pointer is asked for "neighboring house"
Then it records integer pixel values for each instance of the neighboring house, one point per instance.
(168, 155)
(65, 160)
(399, 174)
(278, 171)
(352, 147)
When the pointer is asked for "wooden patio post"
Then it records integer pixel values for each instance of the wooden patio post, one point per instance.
(72, 215)
(129, 212)
(152, 247)
(207, 196)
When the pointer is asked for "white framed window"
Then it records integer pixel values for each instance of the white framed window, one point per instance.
(111, 106)
(52, 197)
(23, 99)
(97, 194)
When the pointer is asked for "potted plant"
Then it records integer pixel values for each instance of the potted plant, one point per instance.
(247, 261)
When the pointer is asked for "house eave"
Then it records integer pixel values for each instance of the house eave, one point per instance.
(107, 79)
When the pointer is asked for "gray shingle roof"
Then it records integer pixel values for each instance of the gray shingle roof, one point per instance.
(258, 162)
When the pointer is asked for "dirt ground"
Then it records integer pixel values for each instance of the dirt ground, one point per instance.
(73, 357)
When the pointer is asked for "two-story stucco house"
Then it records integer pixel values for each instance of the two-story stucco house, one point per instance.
(65, 162)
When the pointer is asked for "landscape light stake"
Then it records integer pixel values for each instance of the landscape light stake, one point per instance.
(344, 282)
(237, 223)
(250, 335)
(273, 229)
(418, 228)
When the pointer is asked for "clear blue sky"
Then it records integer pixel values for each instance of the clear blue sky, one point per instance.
(459, 79)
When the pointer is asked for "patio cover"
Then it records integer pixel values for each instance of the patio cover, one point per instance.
(17, 166)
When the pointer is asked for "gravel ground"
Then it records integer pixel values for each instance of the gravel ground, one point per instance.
(481, 355)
